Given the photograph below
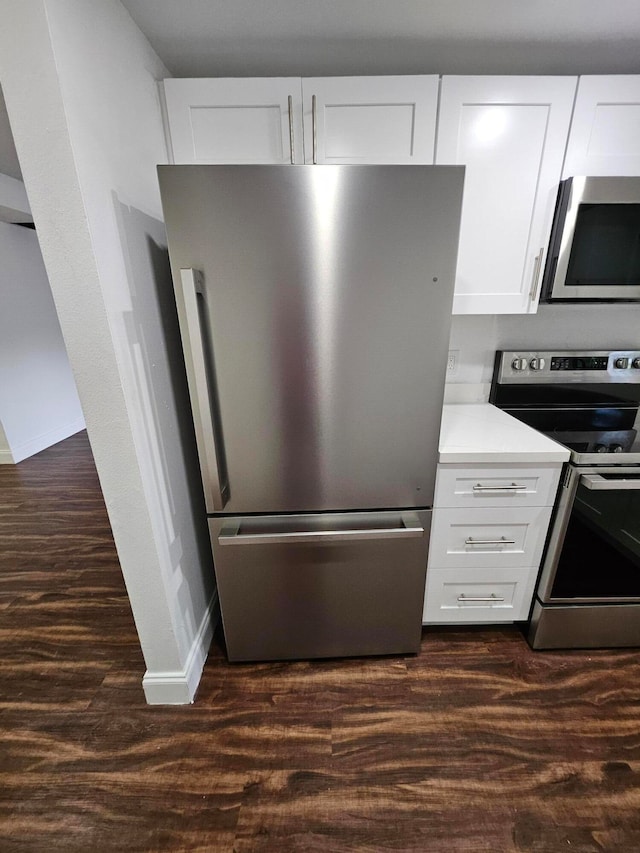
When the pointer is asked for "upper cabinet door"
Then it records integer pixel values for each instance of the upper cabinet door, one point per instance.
(235, 120)
(605, 131)
(510, 133)
(376, 120)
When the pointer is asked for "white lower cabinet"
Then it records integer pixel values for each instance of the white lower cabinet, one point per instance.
(484, 559)
(478, 595)
(496, 486)
(510, 537)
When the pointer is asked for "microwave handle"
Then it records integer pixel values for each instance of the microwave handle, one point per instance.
(598, 483)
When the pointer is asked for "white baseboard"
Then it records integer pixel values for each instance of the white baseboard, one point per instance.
(46, 439)
(179, 688)
(6, 458)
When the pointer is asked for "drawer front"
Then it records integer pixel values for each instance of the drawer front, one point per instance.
(507, 536)
(476, 596)
(461, 486)
(325, 585)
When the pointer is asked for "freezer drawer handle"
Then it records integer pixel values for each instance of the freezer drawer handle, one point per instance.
(598, 483)
(501, 541)
(411, 528)
(192, 283)
(478, 599)
(513, 487)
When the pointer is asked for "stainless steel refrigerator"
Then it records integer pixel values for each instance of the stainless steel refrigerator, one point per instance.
(314, 304)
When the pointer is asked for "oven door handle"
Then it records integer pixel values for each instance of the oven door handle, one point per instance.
(598, 483)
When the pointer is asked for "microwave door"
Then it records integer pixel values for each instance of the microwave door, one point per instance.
(595, 243)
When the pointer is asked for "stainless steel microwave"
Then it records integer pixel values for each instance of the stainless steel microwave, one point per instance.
(594, 253)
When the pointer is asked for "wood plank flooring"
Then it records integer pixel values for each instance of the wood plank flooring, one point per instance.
(477, 744)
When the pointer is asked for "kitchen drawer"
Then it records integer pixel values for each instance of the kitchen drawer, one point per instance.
(478, 595)
(481, 538)
(487, 486)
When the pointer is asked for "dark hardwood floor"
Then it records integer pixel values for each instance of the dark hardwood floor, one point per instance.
(477, 744)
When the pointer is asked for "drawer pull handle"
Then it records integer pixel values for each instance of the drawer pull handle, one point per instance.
(513, 487)
(487, 599)
(501, 541)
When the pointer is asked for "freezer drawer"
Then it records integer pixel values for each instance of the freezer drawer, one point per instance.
(329, 585)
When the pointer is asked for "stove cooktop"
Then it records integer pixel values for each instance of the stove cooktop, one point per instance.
(588, 401)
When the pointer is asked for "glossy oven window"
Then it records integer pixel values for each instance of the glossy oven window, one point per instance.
(600, 557)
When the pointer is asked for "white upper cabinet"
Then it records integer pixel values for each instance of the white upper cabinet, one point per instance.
(605, 131)
(370, 119)
(510, 133)
(260, 120)
(235, 120)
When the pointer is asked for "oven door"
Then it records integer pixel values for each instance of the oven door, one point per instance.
(593, 553)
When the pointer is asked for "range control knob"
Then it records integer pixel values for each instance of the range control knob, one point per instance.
(601, 448)
(537, 364)
(519, 364)
(636, 363)
(616, 448)
(621, 363)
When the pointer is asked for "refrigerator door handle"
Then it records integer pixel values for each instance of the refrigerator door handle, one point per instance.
(401, 526)
(314, 132)
(291, 139)
(215, 489)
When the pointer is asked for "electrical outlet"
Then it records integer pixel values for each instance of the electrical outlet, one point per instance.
(452, 361)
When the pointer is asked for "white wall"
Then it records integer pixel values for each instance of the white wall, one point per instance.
(6, 457)
(14, 205)
(39, 404)
(578, 326)
(80, 82)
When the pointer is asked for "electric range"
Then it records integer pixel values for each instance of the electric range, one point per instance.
(588, 592)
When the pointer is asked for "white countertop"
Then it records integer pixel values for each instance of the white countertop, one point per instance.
(481, 433)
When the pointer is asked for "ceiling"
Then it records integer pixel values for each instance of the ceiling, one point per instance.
(332, 37)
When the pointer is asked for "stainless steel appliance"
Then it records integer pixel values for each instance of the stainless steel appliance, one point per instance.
(314, 304)
(594, 253)
(588, 593)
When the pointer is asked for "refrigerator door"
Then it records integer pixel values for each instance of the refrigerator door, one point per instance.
(314, 303)
(306, 586)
